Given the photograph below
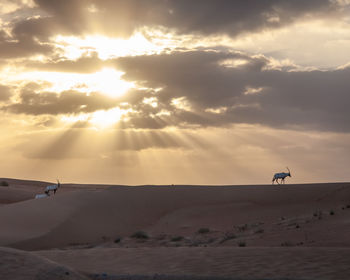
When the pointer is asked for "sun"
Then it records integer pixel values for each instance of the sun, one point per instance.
(108, 81)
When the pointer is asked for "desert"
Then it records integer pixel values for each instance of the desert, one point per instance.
(290, 231)
(175, 139)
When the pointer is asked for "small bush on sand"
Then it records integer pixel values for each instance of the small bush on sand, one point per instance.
(260, 230)
(318, 214)
(140, 235)
(242, 227)
(117, 240)
(287, 244)
(331, 212)
(242, 244)
(203, 230)
(177, 238)
(4, 184)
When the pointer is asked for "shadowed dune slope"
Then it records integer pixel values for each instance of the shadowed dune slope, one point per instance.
(10, 195)
(89, 216)
(238, 263)
(19, 265)
(20, 190)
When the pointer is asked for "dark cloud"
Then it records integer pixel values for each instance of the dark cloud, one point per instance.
(33, 28)
(5, 93)
(197, 75)
(123, 17)
(305, 99)
(207, 80)
(235, 17)
(67, 102)
(21, 46)
(88, 63)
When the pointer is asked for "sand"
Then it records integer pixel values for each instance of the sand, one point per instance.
(19, 265)
(246, 232)
(241, 263)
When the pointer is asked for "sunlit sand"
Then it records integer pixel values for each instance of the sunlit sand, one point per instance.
(240, 232)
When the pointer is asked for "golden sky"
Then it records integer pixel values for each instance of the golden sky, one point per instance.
(175, 91)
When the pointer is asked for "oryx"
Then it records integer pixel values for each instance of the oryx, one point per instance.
(53, 188)
(281, 176)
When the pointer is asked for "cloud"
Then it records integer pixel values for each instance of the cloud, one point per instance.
(5, 93)
(304, 99)
(34, 102)
(217, 88)
(30, 29)
(20, 46)
(85, 64)
(122, 17)
(195, 74)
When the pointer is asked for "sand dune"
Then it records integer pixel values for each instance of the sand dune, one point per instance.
(94, 216)
(239, 263)
(11, 195)
(20, 190)
(19, 265)
(191, 229)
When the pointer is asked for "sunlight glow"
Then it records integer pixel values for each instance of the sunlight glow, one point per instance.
(219, 110)
(181, 103)
(107, 81)
(106, 47)
(252, 91)
(104, 119)
(99, 119)
(75, 118)
(152, 101)
(233, 63)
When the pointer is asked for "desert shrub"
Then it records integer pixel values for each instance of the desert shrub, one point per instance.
(117, 240)
(243, 227)
(331, 212)
(297, 226)
(287, 244)
(177, 238)
(348, 206)
(203, 230)
(318, 214)
(4, 184)
(260, 230)
(140, 235)
(242, 244)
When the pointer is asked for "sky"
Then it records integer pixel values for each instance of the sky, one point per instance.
(175, 91)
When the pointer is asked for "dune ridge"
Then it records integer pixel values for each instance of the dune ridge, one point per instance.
(189, 230)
